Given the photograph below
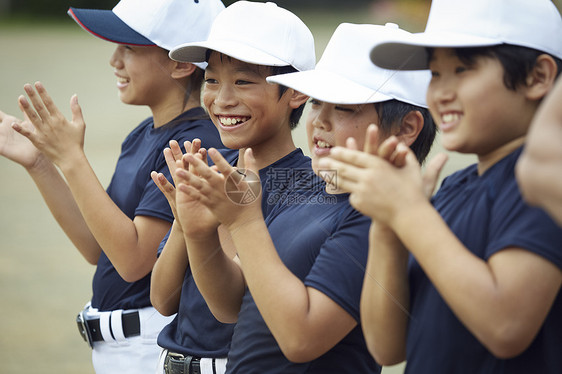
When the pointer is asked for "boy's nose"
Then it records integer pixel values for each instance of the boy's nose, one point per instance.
(440, 92)
(322, 119)
(115, 59)
(225, 97)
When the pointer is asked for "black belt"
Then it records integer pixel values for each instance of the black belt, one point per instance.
(176, 363)
(90, 327)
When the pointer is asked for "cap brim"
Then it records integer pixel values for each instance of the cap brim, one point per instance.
(197, 52)
(106, 25)
(329, 87)
(410, 53)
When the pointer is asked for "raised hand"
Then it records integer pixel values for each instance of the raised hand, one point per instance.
(46, 127)
(383, 175)
(210, 187)
(173, 155)
(15, 146)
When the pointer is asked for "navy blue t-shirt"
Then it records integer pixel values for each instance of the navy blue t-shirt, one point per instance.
(324, 242)
(194, 330)
(134, 192)
(488, 214)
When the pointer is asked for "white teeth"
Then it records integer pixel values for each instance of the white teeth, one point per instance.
(450, 117)
(122, 80)
(228, 121)
(323, 144)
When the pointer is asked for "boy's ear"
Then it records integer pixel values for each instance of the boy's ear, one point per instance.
(541, 78)
(182, 69)
(410, 128)
(297, 99)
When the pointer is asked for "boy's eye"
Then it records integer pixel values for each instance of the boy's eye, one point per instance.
(314, 102)
(348, 109)
(242, 82)
(210, 81)
(460, 69)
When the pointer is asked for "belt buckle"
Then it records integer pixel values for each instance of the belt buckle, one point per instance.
(83, 329)
(171, 360)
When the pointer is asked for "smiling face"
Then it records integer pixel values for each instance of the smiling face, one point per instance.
(245, 108)
(329, 125)
(143, 74)
(473, 108)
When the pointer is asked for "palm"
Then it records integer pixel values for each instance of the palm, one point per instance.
(15, 146)
(197, 221)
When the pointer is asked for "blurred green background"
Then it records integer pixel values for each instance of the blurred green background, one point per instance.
(44, 281)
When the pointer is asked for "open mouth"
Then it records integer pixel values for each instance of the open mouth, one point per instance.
(322, 144)
(450, 117)
(229, 121)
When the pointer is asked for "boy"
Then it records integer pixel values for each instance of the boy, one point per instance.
(263, 116)
(118, 229)
(480, 293)
(303, 263)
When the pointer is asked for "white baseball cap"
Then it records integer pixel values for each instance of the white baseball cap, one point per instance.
(346, 75)
(476, 23)
(165, 23)
(256, 33)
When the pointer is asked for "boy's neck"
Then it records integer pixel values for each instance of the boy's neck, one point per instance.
(170, 109)
(485, 162)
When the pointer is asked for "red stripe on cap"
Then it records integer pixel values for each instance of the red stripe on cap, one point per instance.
(75, 18)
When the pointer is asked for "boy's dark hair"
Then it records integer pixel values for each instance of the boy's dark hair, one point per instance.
(296, 114)
(195, 81)
(392, 112)
(517, 61)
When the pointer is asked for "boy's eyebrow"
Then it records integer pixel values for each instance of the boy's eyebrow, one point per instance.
(246, 68)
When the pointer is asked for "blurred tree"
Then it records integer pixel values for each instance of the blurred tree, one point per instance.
(52, 7)
(39, 8)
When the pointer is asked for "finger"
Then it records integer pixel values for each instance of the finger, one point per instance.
(351, 143)
(25, 129)
(371, 139)
(46, 101)
(28, 111)
(203, 153)
(163, 184)
(388, 147)
(195, 146)
(170, 160)
(432, 172)
(193, 193)
(77, 116)
(222, 165)
(335, 178)
(37, 102)
(350, 156)
(175, 150)
(329, 168)
(250, 161)
(185, 177)
(194, 150)
(398, 158)
(201, 169)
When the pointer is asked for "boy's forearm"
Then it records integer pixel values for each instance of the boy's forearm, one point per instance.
(130, 245)
(502, 300)
(63, 207)
(385, 297)
(168, 274)
(297, 315)
(218, 277)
